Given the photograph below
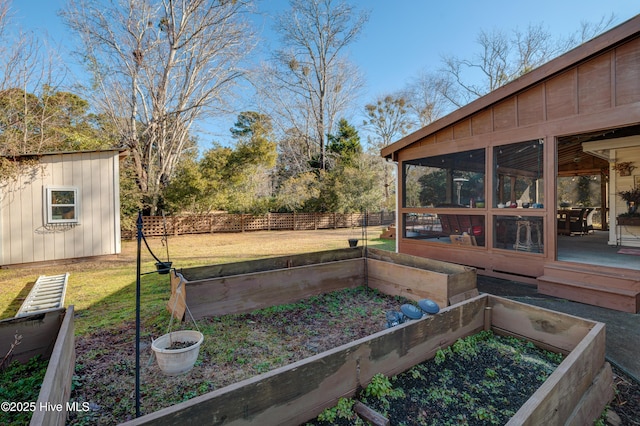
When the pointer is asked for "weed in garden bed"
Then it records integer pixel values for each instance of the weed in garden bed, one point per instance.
(479, 380)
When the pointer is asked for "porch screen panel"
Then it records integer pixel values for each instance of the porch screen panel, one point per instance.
(518, 175)
(445, 181)
(519, 233)
(448, 228)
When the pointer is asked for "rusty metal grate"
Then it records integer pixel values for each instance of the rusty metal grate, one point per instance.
(47, 293)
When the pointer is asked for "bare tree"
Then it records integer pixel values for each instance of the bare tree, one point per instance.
(160, 67)
(503, 58)
(425, 99)
(308, 84)
(494, 63)
(30, 101)
(388, 118)
(589, 30)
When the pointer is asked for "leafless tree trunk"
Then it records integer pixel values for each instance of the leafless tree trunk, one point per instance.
(159, 68)
(308, 83)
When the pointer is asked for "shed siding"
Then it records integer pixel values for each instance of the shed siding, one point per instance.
(25, 235)
(481, 122)
(462, 130)
(445, 135)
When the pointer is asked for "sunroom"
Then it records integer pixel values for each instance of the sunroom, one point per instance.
(524, 183)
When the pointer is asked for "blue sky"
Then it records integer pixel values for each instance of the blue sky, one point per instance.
(402, 37)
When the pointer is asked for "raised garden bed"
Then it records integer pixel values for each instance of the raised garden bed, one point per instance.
(481, 379)
(51, 336)
(576, 392)
(247, 286)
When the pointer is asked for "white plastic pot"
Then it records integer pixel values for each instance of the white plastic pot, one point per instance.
(174, 362)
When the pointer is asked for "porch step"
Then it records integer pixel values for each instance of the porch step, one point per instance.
(47, 293)
(607, 289)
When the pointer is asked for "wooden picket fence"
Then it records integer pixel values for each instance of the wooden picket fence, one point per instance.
(225, 222)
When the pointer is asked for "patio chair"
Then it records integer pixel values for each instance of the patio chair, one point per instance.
(577, 222)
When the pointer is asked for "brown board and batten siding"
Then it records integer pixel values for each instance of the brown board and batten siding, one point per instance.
(592, 88)
(27, 238)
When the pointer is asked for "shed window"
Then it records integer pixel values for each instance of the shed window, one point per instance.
(62, 205)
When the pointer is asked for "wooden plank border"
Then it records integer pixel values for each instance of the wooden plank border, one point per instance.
(246, 286)
(269, 264)
(556, 400)
(38, 332)
(548, 329)
(56, 385)
(247, 292)
(414, 283)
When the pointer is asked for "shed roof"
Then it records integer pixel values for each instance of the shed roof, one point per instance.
(123, 153)
(585, 51)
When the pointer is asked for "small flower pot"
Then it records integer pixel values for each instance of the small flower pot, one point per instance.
(174, 362)
(353, 242)
(625, 172)
(163, 267)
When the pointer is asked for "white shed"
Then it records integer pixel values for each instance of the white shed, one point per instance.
(62, 206)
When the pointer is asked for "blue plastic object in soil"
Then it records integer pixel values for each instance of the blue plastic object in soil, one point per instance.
(411, 311)
(429, 306)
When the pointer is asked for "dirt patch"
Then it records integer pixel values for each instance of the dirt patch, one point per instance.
(237, 347)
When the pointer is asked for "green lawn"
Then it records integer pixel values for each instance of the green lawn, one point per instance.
(103, 292)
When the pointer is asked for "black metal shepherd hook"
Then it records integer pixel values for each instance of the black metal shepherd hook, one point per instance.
(139, 226)
(162, 268)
